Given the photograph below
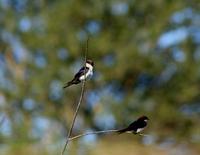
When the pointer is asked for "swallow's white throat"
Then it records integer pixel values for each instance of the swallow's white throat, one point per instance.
(89, 73)
(89, 66)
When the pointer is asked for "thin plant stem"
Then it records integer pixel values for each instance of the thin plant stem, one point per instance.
(144, 135)
(78, 105)
(91, 133)
(100, 132)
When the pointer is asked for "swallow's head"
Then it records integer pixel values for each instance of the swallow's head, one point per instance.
(143, 118)
(90, 62)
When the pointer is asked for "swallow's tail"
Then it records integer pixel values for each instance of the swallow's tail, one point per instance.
(68, 84)
(74, 81)
(122, 131)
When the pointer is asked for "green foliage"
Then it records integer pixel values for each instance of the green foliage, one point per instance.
(42, 45)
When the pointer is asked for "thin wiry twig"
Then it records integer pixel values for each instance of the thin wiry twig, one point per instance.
(144, 135)
(79, 103)
(92, 133)
(100, 132)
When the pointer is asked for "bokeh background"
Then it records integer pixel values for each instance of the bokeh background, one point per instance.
(147, 61)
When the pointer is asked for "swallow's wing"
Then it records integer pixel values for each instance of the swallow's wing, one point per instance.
(137, 124)
(81, 72)
(133, 125)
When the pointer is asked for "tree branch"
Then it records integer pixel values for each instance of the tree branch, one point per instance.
(79, 103)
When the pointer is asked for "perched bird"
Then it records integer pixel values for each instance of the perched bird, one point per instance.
(137, 126)
(87, 69)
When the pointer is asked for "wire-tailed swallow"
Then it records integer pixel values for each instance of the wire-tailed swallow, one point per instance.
(137, 126)
(87, 69)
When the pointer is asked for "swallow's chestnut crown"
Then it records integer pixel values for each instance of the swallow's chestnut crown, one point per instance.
(90, 62)
(143, 118)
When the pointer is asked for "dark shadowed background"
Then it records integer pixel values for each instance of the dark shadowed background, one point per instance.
(147, 61)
